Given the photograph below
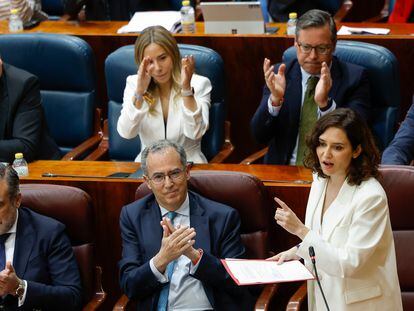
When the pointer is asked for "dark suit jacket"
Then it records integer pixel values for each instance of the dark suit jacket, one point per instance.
(350, 88)
(22, 123)
(217, 228)
(44, 258)
(401, 149)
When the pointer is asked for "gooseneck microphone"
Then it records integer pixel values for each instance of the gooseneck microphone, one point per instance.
(312, 257)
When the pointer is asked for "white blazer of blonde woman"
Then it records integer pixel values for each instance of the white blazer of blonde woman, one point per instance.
(183, 126)
(354, 248)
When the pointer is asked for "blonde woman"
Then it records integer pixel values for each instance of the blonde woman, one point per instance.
(165, 99)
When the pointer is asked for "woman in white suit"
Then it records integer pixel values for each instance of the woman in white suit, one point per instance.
(165, 99)
(347, 220)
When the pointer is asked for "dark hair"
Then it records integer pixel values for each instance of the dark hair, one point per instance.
(358, 133)
(160, 146)
(8, 173)
(316, 18)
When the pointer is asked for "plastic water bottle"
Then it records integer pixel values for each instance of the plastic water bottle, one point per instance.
(20, 165)
(15, 22)
(187, 17)
(291, 23)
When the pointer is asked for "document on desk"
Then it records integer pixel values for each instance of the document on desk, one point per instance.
(344, 30)
(170, 20)
(249, 272)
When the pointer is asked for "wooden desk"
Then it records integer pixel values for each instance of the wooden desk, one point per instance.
(110, 195)
(243, 58)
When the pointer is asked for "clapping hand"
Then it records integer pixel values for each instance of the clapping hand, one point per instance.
(275, 82)
(187, 71)
(323, 87)
(144, 75)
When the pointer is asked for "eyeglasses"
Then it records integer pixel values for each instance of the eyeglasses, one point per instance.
(320, 49)
(174, 175)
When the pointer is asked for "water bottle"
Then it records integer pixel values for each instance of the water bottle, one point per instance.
(15, 22)
(20, 165)
(187, 17)
(291, 23)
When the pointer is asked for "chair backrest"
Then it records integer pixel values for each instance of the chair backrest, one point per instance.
(72, 207)
(121, 64)
(243, 192)
(383, 72)
(65, 67)
(53, 7)
(398, 183)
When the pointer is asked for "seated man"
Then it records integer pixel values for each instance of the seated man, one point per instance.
(162, 265)
(401, 149)
(38, 267)
(299, 92)
(22, 123)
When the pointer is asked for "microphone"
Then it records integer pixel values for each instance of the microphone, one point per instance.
(312, 257)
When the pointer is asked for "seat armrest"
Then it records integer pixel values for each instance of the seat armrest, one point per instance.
(80, 150)
(101, 152)
(263, 302)
(227, 148)
(255, 156)
(298, 297)
(99, 295)
(121, 304)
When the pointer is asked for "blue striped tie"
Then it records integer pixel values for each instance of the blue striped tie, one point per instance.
(163, 300)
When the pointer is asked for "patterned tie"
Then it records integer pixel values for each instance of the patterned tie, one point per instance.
(3, 239)
(163, 300)
(308, 118)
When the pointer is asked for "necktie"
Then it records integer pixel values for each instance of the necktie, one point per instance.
(3, 239)
(308, 117)
(163, 300)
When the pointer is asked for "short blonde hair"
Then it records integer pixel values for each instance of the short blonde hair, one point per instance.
(161, 36)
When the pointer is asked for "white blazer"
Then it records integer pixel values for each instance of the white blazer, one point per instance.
(183, 126)
(354, 249)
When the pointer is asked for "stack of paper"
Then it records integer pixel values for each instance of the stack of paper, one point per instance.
(141, 20)
(359, 31)
(247, 272)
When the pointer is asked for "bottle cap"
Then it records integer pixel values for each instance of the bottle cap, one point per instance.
(18, 155)
(186, 3)
(293, 15)
(14, 11)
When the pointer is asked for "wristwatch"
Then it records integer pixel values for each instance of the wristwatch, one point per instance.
(20, 289)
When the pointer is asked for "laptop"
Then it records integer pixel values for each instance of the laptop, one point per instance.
(232, 17)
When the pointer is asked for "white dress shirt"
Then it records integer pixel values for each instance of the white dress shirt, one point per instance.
(274, 111)
(9, 250)
(186, 292)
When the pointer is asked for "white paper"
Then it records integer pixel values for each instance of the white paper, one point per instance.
(344, 30)
(265, 271)
(142, 20)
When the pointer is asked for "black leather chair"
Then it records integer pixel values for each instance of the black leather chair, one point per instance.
(215, 144)
(65, 66)
(72, 207)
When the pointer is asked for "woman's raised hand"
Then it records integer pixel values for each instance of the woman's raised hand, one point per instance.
(144, 75)
(288, 220)
(187, 70)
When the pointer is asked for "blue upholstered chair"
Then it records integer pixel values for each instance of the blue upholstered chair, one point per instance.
(215, 144)
(65, 67)
(383, 72)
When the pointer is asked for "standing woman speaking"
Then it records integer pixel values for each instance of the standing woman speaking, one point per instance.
(347, 220)
(165, 99)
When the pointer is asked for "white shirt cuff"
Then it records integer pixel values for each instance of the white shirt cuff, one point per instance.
(162, 278)
(273, 111)
(193, 268)
(20, 301)
(332, 108)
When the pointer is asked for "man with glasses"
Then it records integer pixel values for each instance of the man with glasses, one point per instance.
(299, 92)
(164, 265)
